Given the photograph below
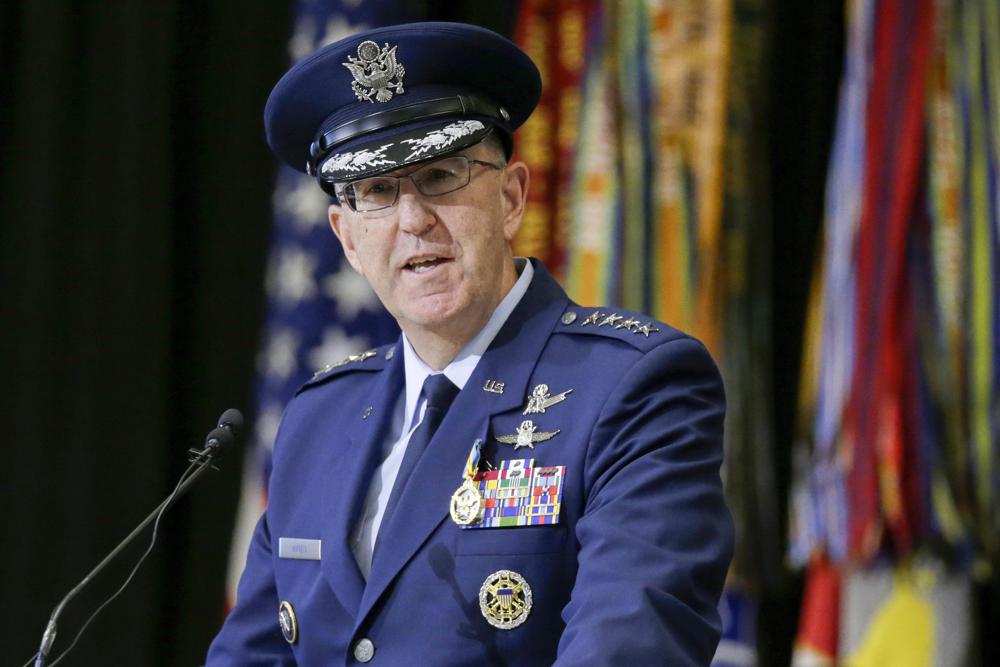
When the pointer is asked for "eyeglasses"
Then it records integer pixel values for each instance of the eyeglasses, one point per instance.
(380, 193)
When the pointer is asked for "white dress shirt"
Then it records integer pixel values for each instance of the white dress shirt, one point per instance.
(408, 414)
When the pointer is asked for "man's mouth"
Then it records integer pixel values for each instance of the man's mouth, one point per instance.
(425, 264)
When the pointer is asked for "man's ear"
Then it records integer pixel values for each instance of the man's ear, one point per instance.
(514, 195)
(343, 230)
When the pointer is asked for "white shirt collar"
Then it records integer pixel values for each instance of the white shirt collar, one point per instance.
(460, 369)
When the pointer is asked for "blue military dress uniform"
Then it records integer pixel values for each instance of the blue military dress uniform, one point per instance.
(627, 571)
(630, 574)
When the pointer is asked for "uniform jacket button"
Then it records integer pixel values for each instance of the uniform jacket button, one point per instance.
(364, 650)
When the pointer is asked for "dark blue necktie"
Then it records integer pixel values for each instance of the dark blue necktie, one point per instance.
(440, 392)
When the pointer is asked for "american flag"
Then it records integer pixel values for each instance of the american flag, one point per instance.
(319, 309)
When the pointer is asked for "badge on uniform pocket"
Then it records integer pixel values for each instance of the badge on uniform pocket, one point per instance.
(519, 493)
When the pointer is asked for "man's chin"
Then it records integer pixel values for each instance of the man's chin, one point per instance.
(429, 312)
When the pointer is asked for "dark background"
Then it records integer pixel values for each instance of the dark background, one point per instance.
(135, 206)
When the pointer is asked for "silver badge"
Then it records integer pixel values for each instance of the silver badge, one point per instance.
(375, 68)
(527, 435)
(540, 399)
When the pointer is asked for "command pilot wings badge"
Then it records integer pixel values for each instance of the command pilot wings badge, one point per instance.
(527, 435)
(540, 399)
(375, 68)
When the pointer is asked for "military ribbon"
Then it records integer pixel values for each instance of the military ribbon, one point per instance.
(472, 463)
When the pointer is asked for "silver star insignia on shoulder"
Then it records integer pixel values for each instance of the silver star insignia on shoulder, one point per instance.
(527, 435)
(540, 399)
(646, 329)
(610, 319)
(592, 318)
(367, 354)
(630, 324)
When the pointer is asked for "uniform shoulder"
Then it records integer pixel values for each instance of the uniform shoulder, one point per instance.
(640, 331)
(374, 359)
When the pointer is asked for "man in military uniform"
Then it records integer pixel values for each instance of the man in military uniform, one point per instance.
(518, 480)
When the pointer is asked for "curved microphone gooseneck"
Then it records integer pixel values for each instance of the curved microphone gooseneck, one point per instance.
(217, 441)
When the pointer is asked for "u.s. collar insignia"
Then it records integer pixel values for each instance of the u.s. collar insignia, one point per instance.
(286, 619)
(493, 386)
(375, 68)
(527, 435)
(540, 399)
(505, 599)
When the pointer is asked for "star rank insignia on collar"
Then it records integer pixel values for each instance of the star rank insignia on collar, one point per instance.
(540, 399)
(527, 435)
(367, 354)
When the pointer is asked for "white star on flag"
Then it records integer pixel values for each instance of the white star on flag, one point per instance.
(339, 27)
(306, 203)
(336, 345)
(350, 292)
(290, 278)
(266, 425)
(278, 358)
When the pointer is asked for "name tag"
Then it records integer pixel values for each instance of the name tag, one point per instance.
(296, 547)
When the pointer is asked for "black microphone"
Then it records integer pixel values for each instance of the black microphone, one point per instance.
(232, 420)
(216, 442)
(222, 436)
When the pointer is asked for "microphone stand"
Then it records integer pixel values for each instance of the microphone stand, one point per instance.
(203, 459)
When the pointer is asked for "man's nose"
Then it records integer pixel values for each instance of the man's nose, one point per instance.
(413, 210)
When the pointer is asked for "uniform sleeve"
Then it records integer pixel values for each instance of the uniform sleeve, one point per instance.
(655, 536)
(251, 635)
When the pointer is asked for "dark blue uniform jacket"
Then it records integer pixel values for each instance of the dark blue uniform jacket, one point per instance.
(630, 575)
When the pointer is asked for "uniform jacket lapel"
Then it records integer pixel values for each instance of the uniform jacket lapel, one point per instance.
(424, 502)
(347, 480)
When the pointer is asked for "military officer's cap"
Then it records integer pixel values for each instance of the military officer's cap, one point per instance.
(396, 95)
